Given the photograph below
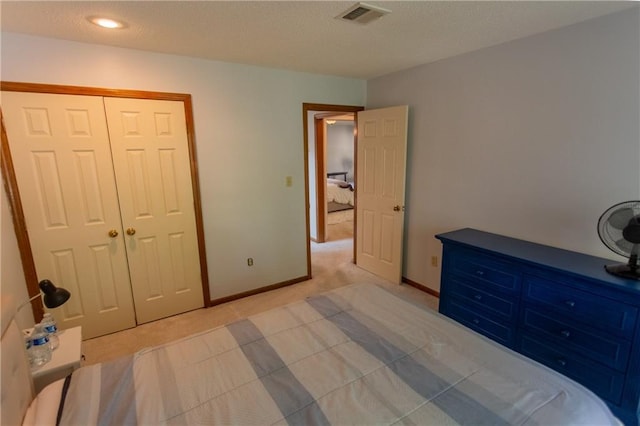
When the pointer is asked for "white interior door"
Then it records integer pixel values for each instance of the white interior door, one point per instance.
(382, 152)
(152, 166)
(60, 150)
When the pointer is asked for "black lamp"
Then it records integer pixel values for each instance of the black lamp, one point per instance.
(53, 296)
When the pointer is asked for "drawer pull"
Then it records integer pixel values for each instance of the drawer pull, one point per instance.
(561, 362)
(480, 273)
(476, 321)
(570, 303)
(478, 297)
(565, 333)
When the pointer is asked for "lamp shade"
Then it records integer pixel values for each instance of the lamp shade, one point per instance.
(53, 296)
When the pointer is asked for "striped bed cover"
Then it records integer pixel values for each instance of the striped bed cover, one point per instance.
(355, 355)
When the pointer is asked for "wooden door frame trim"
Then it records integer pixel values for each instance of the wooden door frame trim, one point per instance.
(11, 184)
(306, 107)
(321, 198)
(17, 216)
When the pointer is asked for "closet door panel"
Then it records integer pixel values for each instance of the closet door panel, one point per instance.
(152, 166)
(62, 159)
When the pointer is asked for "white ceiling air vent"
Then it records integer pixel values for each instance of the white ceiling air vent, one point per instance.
(363, 13)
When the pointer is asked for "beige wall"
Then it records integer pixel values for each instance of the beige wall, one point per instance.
(249, 138)
(534, 139)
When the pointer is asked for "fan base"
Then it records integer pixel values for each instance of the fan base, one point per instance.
(623, 270)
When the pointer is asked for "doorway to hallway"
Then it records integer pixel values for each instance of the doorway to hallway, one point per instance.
(316, 119)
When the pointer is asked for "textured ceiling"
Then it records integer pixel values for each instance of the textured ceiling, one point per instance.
(302, 35)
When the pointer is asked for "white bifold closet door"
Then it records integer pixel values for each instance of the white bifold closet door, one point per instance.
(106, 190)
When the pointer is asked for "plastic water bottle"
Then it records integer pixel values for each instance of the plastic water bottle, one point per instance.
(50, 327)
(40, 347)
(27, 345)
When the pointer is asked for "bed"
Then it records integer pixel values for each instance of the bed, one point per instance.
(358, 354)
(340, 199)
(340, 191)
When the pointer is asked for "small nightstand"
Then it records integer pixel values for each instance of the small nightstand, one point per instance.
(64, 360)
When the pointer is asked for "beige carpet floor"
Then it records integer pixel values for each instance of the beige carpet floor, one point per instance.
(332, 267)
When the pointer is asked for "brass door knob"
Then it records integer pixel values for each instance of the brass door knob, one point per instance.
(396, 208)
(131, 231)
(113, 233)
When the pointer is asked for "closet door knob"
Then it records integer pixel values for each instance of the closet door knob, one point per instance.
(131, 231)
(113, 233)
(396, 208)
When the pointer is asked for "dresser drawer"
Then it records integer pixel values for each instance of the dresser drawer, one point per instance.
(477, 297)
(599, 312)
(485, 269)
(604, 382)
(490, 326)
(611, 352)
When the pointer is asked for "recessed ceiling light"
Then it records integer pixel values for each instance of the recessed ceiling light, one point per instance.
(106, 22)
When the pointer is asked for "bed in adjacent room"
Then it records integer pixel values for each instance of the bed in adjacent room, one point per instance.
(354, 355)
(340, 194)
(340, 199)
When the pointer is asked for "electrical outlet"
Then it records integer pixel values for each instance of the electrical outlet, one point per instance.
(250, 261)
(434, 261)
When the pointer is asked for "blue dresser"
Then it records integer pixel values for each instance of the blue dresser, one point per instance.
(558, 307)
